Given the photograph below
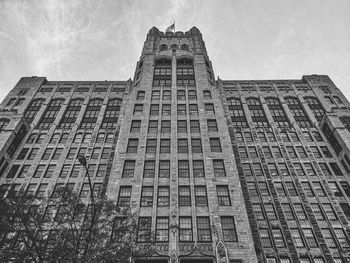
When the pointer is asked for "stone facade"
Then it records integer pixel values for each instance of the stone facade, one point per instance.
(223, 171)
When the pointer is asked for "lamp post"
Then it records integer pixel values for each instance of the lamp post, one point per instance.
(82, 161)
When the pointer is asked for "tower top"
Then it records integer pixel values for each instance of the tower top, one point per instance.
(155, 32)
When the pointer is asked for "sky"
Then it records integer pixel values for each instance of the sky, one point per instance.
(245, 39)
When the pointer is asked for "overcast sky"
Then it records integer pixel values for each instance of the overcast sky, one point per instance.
(102, 39)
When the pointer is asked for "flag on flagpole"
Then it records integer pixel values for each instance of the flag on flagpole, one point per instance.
(171, 28)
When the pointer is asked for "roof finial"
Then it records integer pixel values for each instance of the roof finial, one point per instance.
(171, 28)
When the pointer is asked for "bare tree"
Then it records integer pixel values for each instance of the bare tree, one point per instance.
(66, 228)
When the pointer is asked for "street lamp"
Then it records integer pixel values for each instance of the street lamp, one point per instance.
(82, 161)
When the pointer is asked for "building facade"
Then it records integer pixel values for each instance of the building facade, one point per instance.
(220, 170)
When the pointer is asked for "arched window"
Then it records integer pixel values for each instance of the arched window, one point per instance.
(64, 137)
(337, 100)
(277, 112)
(315, 107)
(298, 112)
(163, 47)
(162, 73)
(33, 109)
(3, 124)
(54, 138)
(50, 115)
(78, 137)
(184, 47)
(257, 112)
(91, 114)
(185, 72)
(100, 137)
(237, 113)
(20, 102)
(71, 114)
(173, 46)
(111, 115)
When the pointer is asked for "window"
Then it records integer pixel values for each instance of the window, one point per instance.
(299, 210)
(339, 233)
(162, 229)
(228, 229)
(110, 118)
(278, 238)
(183, 168)
(270, 212)
(147, 196)
(24, 171)
(75, 170)
(151, 146)
(331, 138)
(138, 109)
(13, 171)
(271, 136)
(203, 229)
(315, 107)
(182, 126)
(64, 138)
(200, 193)
(280, 189)
(194, 126)
(298, 112)
(277, 152)
(206, 94)
(65, 170)
(257, 113)
(70, 116)
(149, 169)
(166, 109)
(41, 190)
(129, 168)
(212, 126)
(192, 95)
(153, 126)
(100, 137)
(185, 229)
(259, 215)
(163, 196)
(144, 229)
(219, 168)
(291, 189)
(345, 187)
(267, 152)
(209, 108)
(291, 152)
(164, 169)
(181, 109)
(237, 113)
(110, 138)
(10, 102)
(102, 168)
(135, 126)
(22, 154)
(307, 189)
(50, 114)
(193, 109)
(50, 170)
(31, 138)
(196, 145)
(215, 145)
(165, 126)
(132, 146)
(39, 171)
(140, 95)
(181, 95)
(91, 169)
(162, 73)
(41, 138)
(265, 238)
(185, 72)
(184, 196)
(252, 152)
(223, 195)
(317, 212)
(167, 95)
(319, 189)
(33, 109)
(124, 196)
(298, 240)
(198, 168)
(264, 191)
(182, 146)
(242, 152)
(47, 154)
(71, 153)
(288, 213)
(91, 114)
(310, 238)
(96, 153)
(328, 237)
(155, 95)
(154, 111)
(273, 169)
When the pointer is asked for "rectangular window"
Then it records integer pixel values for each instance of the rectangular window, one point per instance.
(185, 229)
(298, 240)
(167, 95)
(65, 170)
(129, 168)
(182, 146)
(50, 169)
(75, 171)
(155, 95)
(228, 229)
(154, 111)
(206, 94)
(24, 171)
(278, 238)
(151, 146)
(166, 126)
(258, 212)
(181, 95)
(196, 145)
(149, 169)
(310, 238)
(162, 229)
(22, 154)
(33, 153)
(223, 195)
(200, 193)
(193, 109)
(135, 126)
(212, 126)
(215, 145)
(71, 153)
(265, 238)
(39, 171)
(138, 109)
(163, 196)
(140, 95)
(194, 126)
(183, 168)
(124, 196)
(102, 168)
(299, 210)
(153, 126)
(219, 168)
(182, 126)
(41, 190)
(288, 213)
(270, 212)
(164, 169)
(181, 109)
(147, 196)
(166, 110)
(57, 153)
(203, 229)
(105, 153)
(192, 95)
(198, 168)
(132, 146)
(327, 234)
(96, 153)
(209, 108)
(184, 196)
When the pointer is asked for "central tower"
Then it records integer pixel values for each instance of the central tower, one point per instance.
(174, 162)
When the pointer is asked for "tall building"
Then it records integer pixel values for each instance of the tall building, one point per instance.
(221, 170)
